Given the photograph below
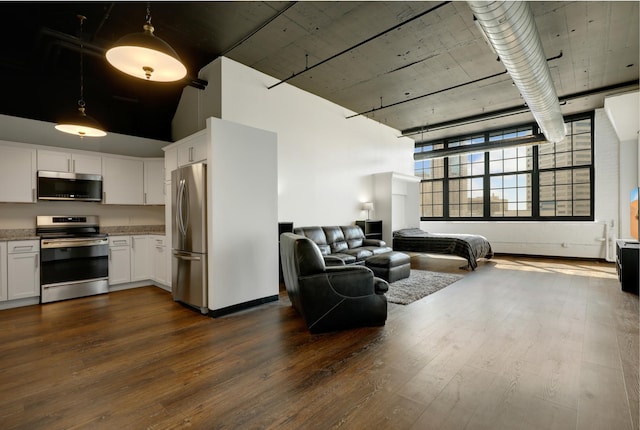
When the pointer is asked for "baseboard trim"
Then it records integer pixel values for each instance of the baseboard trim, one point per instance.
(215, 313)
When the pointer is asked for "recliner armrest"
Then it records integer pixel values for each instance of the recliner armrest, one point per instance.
(331, 261)
(351, 281)
(380, 285)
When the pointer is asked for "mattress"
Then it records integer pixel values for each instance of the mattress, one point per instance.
(471, 247)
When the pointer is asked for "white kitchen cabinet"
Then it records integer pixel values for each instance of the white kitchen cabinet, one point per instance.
(123, 180)
(140, 261)
(59, 161)
(17, 174)
(170, 162)
(119, 260)
(154, 182)
(23, 269)
(192, 149)
(158, 251)
(3, 271)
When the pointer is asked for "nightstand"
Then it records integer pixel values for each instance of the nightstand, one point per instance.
(372, 228)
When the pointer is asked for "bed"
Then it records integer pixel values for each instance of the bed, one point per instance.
(471, 247)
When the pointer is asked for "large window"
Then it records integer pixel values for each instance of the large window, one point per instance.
(495, 177)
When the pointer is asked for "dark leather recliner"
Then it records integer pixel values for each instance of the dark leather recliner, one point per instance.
(334, 297)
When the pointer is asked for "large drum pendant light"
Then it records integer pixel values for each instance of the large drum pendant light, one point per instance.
(146, 56)
(80, 123)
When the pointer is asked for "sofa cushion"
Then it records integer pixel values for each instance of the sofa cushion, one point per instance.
(353, 235)
(359, 253)
(376, 250)
(317, 235)
(335, 239)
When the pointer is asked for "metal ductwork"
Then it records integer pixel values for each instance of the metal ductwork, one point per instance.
(511, 30)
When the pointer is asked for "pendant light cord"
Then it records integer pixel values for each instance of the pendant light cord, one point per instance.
(81, 102)
(148, 17)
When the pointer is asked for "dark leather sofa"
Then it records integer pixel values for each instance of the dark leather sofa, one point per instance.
(330, 298)
(343, 244)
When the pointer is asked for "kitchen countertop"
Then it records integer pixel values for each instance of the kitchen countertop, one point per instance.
(18, 234)
(133, 230)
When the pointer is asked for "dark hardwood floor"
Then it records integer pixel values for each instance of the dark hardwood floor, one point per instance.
(520, 343)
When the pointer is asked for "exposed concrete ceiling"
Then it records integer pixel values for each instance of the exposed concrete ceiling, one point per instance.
(420, 67)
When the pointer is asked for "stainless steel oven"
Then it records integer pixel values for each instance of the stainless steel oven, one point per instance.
(74, 257)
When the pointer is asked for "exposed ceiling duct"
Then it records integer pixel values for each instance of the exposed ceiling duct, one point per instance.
(511, 30)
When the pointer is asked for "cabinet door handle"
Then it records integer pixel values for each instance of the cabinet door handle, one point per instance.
(36, 259)
(23, 247)
(104, 197)
(109, 253)
(74, 165)
(33, 194)
(145, 198)
(69, 165)
(191, 153)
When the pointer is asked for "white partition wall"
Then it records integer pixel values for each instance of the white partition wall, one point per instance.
(396, 202)
(243, 214)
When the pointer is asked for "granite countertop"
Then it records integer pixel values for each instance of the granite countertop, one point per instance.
(18, 234)
(133, 230)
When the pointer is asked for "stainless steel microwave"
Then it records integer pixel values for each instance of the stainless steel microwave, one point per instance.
(69, 186)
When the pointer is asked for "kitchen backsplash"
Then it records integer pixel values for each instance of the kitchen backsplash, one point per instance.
(23, 215)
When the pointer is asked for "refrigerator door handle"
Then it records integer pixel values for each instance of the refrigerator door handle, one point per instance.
(187, 257)
(180, 202)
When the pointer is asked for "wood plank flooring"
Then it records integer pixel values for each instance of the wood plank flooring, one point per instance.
(520, 343)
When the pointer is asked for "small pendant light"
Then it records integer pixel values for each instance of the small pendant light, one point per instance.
(80, 123)
(146, 56)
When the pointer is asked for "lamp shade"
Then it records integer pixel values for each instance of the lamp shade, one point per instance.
(81, 125)
(147, 57)
(367, 206)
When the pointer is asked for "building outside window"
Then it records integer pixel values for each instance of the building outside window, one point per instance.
(494, 177)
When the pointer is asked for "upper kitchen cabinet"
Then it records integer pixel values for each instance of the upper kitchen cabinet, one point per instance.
(154, 182)
(123, 181)
(17, 174)
(192, 149)
(59, 161)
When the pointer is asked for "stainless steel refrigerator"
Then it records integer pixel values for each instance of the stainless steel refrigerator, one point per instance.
(189, 230)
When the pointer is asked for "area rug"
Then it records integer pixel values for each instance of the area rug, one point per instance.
(419, 284)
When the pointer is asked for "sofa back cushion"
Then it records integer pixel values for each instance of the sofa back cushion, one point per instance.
(353, 235)
(335, 239)
(316, 234)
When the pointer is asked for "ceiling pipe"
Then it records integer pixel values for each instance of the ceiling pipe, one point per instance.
(511, 30)
(515, 110)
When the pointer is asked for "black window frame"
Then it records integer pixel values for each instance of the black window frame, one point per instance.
(486, 147)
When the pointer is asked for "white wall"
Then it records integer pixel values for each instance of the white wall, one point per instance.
(325, 161)
(570, 239)
(243, 214)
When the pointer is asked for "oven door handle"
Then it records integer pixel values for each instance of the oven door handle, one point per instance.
(68, 243)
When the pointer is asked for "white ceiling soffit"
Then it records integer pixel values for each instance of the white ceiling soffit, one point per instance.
(624, 113)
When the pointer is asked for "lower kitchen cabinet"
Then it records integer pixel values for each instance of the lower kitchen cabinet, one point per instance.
(119, 260)
(140, 260)
(3, 272)
(160, 259)
(23, 269)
